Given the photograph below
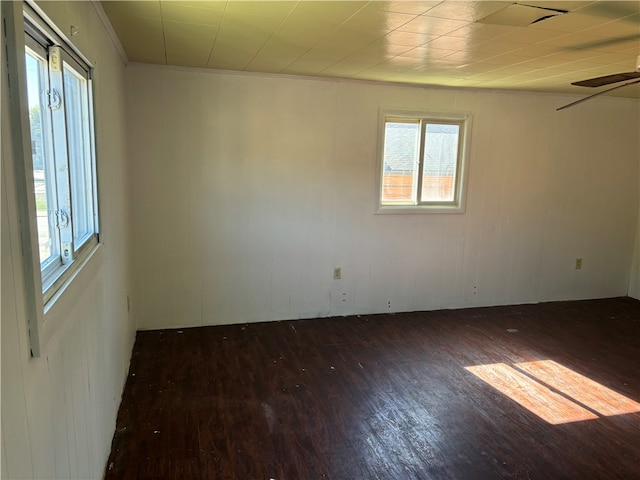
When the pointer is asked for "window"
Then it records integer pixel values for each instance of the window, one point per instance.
(62, 153)
(422, 162)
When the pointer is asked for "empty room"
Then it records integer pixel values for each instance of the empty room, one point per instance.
(305, 239)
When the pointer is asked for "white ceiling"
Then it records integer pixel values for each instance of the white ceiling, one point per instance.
(419, 42)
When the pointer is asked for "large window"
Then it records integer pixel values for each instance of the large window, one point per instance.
(422, 162)
(62, 153)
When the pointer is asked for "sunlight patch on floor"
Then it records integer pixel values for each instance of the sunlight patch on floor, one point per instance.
(583, 390)
(553, 392)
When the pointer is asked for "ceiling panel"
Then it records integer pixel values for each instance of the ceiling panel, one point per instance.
(414, 8)
(329, 15)
(467, 11)
(609, 9)
(433, 25)
(192, 14)
(421, 42)
(627, 27)
(188, 46)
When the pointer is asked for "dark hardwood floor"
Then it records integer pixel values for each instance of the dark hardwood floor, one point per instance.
(389, 397)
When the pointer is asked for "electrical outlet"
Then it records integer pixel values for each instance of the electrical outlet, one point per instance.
(578, 263)
(337, 273)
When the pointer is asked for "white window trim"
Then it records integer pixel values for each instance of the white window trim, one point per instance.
(40, 308)
(53, 278)
(459, 203)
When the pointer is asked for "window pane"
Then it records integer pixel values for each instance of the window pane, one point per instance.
(400, 162)
(43, 168)
(79, 151)
(440, 163)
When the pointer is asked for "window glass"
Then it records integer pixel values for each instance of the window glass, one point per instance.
(440, 162)
(79, 149)
(43, 169)
(401, 151)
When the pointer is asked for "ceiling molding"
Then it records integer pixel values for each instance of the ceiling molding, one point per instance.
(97, 6)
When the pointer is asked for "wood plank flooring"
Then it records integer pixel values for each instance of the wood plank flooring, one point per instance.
(389, 397)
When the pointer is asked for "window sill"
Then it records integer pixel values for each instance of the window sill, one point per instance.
(419, 209)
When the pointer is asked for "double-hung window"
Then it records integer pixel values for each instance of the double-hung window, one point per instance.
(422, 162)
(62, 153)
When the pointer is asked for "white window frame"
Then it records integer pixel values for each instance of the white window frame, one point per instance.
(458, 204)
(63, 60)
(26, 27)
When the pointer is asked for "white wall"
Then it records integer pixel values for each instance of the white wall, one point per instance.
(249, 189)
(58, 411)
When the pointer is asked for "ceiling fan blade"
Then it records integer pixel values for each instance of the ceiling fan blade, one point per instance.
(607, 79)
(596, 94)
